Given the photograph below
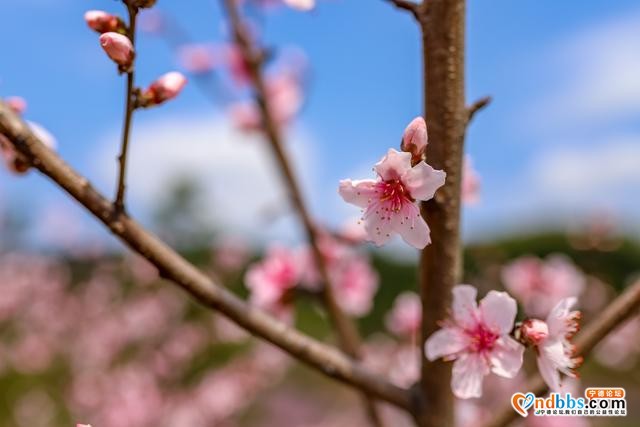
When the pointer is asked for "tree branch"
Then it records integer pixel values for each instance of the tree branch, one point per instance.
(619, 310)
(203, 289)
(129, 109)
(253, 56)
(409, 6)
(477, 106)
(442, 24)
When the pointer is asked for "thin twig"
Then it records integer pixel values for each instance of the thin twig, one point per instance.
(128, 114)
(477, 106)
(253, 56)
(406, 5)
(179, 271)
(619, 310)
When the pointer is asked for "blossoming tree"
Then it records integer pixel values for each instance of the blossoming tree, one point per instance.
(416, 193)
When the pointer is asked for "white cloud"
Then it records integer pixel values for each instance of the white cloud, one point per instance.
(235, 170)
(595, 75)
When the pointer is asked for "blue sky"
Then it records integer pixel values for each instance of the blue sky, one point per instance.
(560, 141)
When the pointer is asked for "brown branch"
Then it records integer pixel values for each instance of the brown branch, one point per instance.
(129, 109)
(442, 24)
(477, 106)
(409, 6)
(619, 310)
(176, 269)
(253, 56)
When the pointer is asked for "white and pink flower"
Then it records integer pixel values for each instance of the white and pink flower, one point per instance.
(405, 316)
(539, 284)
(271, 281)
(552, 341)
(478, 339)
(389, 202)
(470, 183)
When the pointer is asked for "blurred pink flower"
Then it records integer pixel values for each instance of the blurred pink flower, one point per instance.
(284, 99)
(231, 253)
(552, 340)
(415, 139)
(166, 87)
(539, 284)
(389, 203)
(198, 58)
(405, 316)
(17, 104)
(620, 349)
(103, 22)
(304, 5)
(271, 281)
(355, 284)
(118, 47)
(83, 425)
(470, 183)
(477, 338)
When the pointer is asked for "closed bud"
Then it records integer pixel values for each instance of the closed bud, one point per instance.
(163, 89)
(532, 332)
(118, 47)
(415, 139)
(104, 22)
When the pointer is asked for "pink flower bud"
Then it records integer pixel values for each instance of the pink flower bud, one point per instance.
(415, 138)
(103, 22)
(534, 331)
(304, 5)
(17, 104)
(118, 47)
(164, 88)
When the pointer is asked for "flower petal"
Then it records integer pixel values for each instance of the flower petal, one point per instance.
(409, 224)
(393, 165)
(506, 357)
(357, 193)
(499, 311)
(422, 181)
(467, 375)
(547, 367)
(557, 318)
(377, 226)
(445, 342)
(464, 305)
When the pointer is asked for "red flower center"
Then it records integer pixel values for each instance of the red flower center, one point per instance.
(393, 194)
(482, 339)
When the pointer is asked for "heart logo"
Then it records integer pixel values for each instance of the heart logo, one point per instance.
(522, 402)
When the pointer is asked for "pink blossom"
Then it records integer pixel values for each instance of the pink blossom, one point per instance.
(552, 340)
(17, 104)
(284, 98)
(470, 183)
(118, 47)
(405, 317)
(83, 425)
(477, 338)
(103, 22)
(237, 65)
(355, 284)
(271, 280)
(415, 139)
(166, 87)
(304, 5)
(197, 58)
(389, 203)
(539, 284)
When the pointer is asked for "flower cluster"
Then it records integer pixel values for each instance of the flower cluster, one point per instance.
(481, 339)
(273, 281)
(390, 202)
(116, 40)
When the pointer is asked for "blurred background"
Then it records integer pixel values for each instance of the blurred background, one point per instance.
(89, 333)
